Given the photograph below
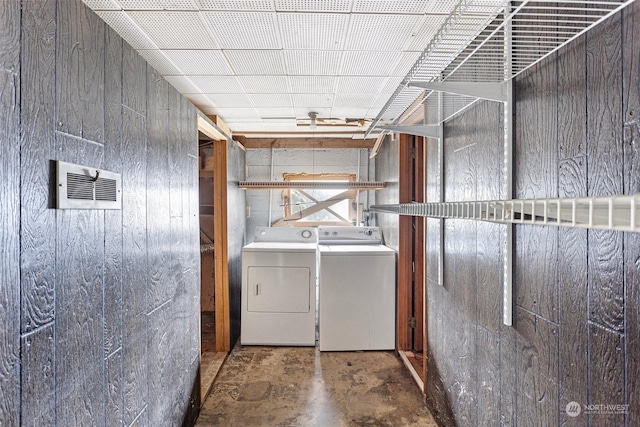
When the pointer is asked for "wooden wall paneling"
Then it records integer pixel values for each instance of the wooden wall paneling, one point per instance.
(180, 335)
(161, 381)
(220, 237)
(80, 75)
(605, 165)
(38, 224)
(113, 301)
(37, 380)
(631, 110)
(405, 256)
(488, 391)
(134, 239)
(537, 367)
(177, 192)
(460, 180)
(606, 373)
(572, 243)
(9, 213)
(605, 162)
(37, 143)
(134, 265)
(189, 138)
(535, 252)
(79, 326)
(489, 263)
(508, 375)
(160, 287)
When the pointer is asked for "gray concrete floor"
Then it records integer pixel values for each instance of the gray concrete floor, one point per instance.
(299, 386)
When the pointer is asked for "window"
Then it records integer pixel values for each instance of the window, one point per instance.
(318, 206)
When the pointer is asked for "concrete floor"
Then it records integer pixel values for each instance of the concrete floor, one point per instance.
(299, 386)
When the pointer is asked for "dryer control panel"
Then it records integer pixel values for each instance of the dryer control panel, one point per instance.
(286, 234)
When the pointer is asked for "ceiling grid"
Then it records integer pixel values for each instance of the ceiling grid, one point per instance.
(264, 65)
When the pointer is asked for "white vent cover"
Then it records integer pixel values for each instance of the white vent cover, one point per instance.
(83, 187)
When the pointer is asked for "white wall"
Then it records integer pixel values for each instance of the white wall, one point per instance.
(270, 164)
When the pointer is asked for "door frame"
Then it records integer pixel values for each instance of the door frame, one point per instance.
(411, 250)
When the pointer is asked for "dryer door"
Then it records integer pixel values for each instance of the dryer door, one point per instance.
(278, 289)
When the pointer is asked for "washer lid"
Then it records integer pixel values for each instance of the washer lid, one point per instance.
(280, 247)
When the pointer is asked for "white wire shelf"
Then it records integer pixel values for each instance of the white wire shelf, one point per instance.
(470, 46)
(620, 213)
(337, 185)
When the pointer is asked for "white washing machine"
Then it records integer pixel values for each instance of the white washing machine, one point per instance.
(279, 280)
(357, 290)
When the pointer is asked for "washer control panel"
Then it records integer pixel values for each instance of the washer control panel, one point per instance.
(335, 235)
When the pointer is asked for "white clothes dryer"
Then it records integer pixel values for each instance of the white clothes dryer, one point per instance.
(279, 279)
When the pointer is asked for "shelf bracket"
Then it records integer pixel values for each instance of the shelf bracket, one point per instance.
(430, 131)
(491, 91)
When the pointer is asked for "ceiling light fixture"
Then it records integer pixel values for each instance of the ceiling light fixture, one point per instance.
(313, 115)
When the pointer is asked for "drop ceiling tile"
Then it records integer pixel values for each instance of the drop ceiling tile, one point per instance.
(424, 35)
(381, 32)
(237, 113)
(303, 112)
(390, 6)
(182, 84)
(442, 6)
(264, 84)
(349, 112)
(362, 63)
(200, 62)
(157, 60)
(199, 100)
(236, 5)
(312, 100)
(158, 4)
(407, 59)
(357, 84)
(102, 4)
(314, 5)
(175, 30)
(275, 112)
(318, 62)
(353, 100)
(217, 84)
(127, 29)
(323, 31)
(256, 62)
(259, 30)
(271, 100)
(230, 100)
(312, 84)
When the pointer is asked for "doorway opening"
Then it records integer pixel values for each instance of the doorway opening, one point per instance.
(411, 260)
(214, 294)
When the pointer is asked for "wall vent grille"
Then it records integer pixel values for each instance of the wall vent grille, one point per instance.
(82, 187)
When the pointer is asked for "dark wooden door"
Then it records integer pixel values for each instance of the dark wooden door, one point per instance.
(411, 247)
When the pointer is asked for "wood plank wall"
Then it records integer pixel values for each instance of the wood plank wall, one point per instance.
(99, 309)
(576, 333)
